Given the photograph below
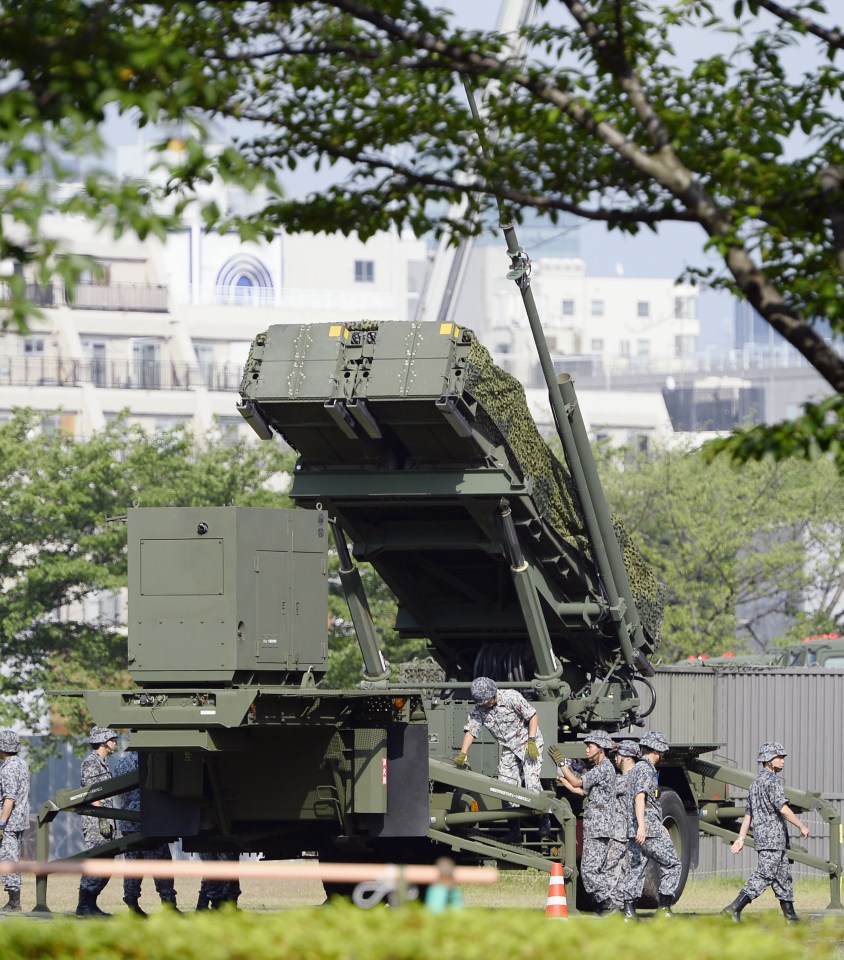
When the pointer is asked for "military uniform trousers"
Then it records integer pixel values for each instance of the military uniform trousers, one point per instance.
(773, 869)
(165, 887)
(661, 850)
(616, 870)
(600, 865)
(10, 852)
(512, 769)
(93, 838)
(220, 891)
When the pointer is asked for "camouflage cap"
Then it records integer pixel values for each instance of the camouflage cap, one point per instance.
(100, 735)
(10, 742)
(769, 750)
(654, 740)
(628, 748)
(601, 739)
(483, 689)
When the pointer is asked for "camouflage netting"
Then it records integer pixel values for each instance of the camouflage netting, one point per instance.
(506, 420)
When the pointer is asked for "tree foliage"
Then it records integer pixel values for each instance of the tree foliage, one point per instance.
(605, 116)
(735, 547)
(59, 548)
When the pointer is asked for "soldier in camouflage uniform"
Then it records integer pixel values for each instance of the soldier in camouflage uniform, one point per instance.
(95, 830)
(767, 812)
(626, 755)
(648, 838)
(598, 786)
(514, 724)
(164, 886)
(214, 893)
(14, 813)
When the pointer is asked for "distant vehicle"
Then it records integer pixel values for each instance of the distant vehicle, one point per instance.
(825, 650)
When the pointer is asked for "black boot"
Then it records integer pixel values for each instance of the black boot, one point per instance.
(787, 907)
(606, 907)
(95, 907)
(227, 902)
(734, 909)
(134, 906)
(546, 832)
(14, 904)
(202, 901)
(87, 906)
(630, 910)
(663, 904)
(170, 904)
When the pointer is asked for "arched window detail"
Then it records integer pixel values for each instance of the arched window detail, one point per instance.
(242, 276)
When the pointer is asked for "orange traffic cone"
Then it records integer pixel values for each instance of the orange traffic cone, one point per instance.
(556, 905)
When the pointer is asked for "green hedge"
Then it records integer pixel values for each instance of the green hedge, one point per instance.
(340, 932)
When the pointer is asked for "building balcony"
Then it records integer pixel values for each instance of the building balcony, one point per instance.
(36, 371)
(292, 298)
(136, 297)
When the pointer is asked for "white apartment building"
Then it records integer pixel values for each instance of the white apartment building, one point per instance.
(591, 323)
(163, 328)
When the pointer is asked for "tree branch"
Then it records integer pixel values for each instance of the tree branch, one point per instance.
(833, 38)
(832, 192)
(663, 167)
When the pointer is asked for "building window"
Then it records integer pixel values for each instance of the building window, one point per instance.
(643, 348)
(99, 276)
(51, 426)
(33, 345)
(94, 352)
(685, 308)
(596, 308)
(146, 368)
(205, 357)
(643, 308)
(568, 308)
(684, 345)
(597, 345)
(624, 348)
(364, 271)
(230, 430)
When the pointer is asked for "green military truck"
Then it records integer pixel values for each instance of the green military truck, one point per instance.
(823, 651)
(416, 455)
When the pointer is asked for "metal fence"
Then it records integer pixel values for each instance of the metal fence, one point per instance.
(34, 371)
(801, 708)
(141, 297)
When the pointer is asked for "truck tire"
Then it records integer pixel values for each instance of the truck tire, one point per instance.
(676, 822)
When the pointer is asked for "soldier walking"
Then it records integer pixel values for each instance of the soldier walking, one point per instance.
(515, 725)
(165, 887)
(626, 755)
(648, 838)
(598, 786)
(767, 811)
(95, 830)
(14, 813)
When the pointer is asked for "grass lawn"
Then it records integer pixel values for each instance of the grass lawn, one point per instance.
(516, 889)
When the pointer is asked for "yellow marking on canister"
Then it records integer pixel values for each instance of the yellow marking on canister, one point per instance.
(445, 329)
(335, 330)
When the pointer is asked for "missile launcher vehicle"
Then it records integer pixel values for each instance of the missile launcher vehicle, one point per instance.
(417, 455)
